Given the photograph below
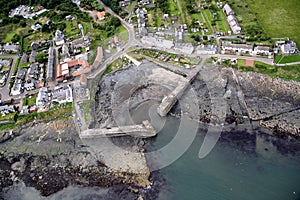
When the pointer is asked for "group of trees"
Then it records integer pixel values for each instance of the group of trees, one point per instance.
(110, 25)
(163, 5)
(255, 32)
(113, 4)
(91, 5)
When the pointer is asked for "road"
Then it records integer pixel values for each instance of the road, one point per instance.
(132, 41)
(227, 56)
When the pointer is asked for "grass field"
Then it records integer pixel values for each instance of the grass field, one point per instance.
(208, 21)
(279, 18)
(123, 33)
(173, 8)
(286, 72)
(8, 32)
(185, 17)
(286, 59)
(31, 100)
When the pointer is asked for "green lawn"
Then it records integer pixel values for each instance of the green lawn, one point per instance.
(197, 17)
(173, 7)
(123, 33)
(279, 18)
(287, 72)
(7, 126)
(222, 25)
(128, 8)
(9, 117)
(85, 106)
(38, 37)
(208, 21)
(56, 112)
(3, 32)
(15, 30)
(118, 64)
(23, 65)
(241, 62)
(31, 100)
(286, 59)
(185, 16)
(188, 38)
(150, 21)
(71, 29)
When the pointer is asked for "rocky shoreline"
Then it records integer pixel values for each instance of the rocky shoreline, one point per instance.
(51, 156)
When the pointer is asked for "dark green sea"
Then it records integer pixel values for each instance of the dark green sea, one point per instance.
(246, 164)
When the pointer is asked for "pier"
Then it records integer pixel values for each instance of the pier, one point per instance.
(168, 102)
(143, 130)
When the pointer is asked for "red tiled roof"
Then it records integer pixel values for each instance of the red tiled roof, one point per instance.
(101, 15)
(63, 72)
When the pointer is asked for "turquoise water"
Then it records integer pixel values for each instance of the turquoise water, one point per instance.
(236, 168)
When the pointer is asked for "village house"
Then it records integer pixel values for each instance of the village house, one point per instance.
(179, 35)
(76, 44)
(157, 42)
(262, 50)
(124, 3)
(234, 25)
(72, 68)
(2, 80)
(17, 88)
(62, 95)
(35, 45)
(186, 48)
(231, 19)
(7, 109)
(77, 2)
(101, 15)
(5, 62)
(141, 14)
(19, 82)
(36, 27)
(70, 17)
(32, 56)
(29, 86)
(289, 48)
(42, 98)
(206, 49)
(24, 58)
(34, 71)
(144, 2)
(59, 38)
(21, 73)
(65, 52)
(227, 10)
(50, 65)
(10, 48)
(229, 47)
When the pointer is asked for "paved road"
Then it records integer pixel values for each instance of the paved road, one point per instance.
(261, 59)
(294, 63)
(132, 41)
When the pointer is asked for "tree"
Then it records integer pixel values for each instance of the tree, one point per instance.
(45, 28)
(16, 38)
(61, 26)
(23, 23)
(40, 57)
